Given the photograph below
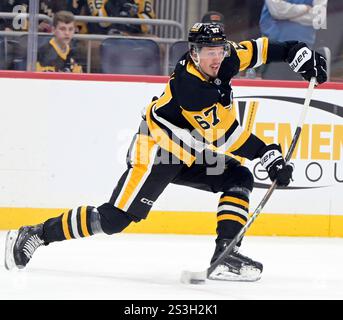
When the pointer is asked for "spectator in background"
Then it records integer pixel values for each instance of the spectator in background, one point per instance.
(214, 16)
(285, 20)
(111, 8)
(115, 8)
(57, 55)
(6, 6)
(17, 46)
(47, 7)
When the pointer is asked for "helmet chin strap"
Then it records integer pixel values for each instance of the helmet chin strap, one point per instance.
(196, 59)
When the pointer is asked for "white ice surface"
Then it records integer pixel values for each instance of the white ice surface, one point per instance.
(148, 267)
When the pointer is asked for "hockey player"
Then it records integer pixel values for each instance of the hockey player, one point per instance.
(193, 117)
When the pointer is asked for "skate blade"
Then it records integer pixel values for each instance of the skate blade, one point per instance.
(247, 274)
(9, 257)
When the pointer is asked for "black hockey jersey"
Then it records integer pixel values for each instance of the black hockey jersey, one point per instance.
(194, 114)
(52, 59)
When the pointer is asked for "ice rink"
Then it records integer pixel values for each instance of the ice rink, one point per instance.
(148, 267)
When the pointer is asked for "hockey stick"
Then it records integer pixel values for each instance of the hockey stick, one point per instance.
(201, 276)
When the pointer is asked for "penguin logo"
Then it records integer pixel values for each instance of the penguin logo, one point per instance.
(218, 82)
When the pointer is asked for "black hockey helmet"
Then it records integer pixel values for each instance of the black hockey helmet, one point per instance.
(206, 35)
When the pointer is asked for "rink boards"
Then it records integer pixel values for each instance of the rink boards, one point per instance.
(64, 140)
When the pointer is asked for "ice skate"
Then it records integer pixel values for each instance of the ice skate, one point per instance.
(21, 244)
(236, 267)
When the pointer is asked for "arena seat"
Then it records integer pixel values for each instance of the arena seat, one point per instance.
(3, 57)
(130, 56)
(19, 61)
(176, 50)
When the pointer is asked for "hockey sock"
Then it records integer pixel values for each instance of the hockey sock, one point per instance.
(232, 214)
(77, 223)
(85, 221)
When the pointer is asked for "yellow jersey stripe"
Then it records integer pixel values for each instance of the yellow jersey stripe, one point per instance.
(239, 142)
(164, 98)
(145, 152)
(245, 55)
(140, 167)
(137, 174)
(252, 53)
(163, 140)
(194, 71)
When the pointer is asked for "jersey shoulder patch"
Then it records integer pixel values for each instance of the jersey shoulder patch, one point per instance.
(237, 46)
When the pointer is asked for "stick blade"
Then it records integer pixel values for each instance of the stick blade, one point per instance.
(190, 277)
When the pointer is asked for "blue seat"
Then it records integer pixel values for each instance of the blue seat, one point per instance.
(130, 56)
(176, 51)
(3, 57)
(21, 50)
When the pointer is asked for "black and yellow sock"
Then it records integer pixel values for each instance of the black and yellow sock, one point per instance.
(232, 214)
(76, 223)
(86, 221)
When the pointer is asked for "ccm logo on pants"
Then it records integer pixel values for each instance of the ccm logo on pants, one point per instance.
(147, 201)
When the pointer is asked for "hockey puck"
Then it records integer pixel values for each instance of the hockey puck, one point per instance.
(188, 277)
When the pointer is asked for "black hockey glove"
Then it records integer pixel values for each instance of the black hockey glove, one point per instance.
(273, 161)
(307, 62)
